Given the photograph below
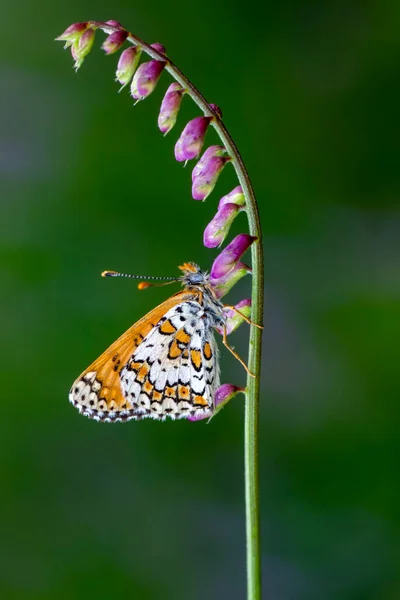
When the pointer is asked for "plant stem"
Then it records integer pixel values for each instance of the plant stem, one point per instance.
(251, 437)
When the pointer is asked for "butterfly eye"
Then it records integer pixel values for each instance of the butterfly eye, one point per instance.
(194, 278)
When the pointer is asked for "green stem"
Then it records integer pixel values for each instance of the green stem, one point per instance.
(251, 437)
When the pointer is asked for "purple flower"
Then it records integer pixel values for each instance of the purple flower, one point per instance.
(217, 230)
(191, 140)
(114, 41)
(234, 319)
(236, 196)
(229, 256)
(222, 396)
(127, 64)
(222, 285)
(147, 76)
(206, 172)
(170, 107)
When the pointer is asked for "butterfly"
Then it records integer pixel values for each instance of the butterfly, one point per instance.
(165, 365)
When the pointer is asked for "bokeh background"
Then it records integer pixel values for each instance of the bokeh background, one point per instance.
(310, 92)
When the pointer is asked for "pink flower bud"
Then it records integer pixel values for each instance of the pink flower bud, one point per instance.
(224, 284)
(206, 172)
(113, 23)
(209, 153)
(236, 196)
(234, 319)
(159, 47)
(230, 255)
(217, 110)
(217, 230)
(114, 41)
(170, 107)
(225, 393)
(81, 47)
(222, 396)
(147, 76)
(73, 33)
(127, 64)
(191, 140)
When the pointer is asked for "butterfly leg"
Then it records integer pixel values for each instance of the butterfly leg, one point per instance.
(243, 316)
(235, 354)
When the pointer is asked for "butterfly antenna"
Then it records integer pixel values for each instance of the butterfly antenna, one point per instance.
(143, 285)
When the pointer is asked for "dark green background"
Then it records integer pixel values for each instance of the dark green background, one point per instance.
(310, 93)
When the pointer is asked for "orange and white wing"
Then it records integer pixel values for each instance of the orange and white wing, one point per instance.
(174, 372)
(97, 392)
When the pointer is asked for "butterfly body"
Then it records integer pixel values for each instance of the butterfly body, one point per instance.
(165, 365)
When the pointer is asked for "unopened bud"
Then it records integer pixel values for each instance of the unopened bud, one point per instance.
(206, 172)
(114, 41)
(170, 107)
(222, 285)
(81, 48)
(217, 110)
(234, 318)
(236, 196)
(159, 47)
(191, 140)
(113, 23)
(222, 396)
(127, 64)
(229, 256)
(147, 76)
(217, 230)
(73, 33)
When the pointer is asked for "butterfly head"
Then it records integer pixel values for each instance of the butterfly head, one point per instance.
(193, 276)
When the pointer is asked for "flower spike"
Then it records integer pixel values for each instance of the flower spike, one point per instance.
(127, 64)
(191, 140)
(147, 76)
(226, 271)
(170, 107)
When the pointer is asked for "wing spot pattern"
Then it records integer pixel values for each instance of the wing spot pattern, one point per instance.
(195, 357)
(167, 328)
(207, 351)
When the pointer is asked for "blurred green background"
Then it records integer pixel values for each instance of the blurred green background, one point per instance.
(310, 93)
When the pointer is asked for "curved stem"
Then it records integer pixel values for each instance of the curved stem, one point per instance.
(251, 438)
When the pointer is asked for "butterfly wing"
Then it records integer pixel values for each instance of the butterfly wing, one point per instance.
(97, 392)
(174, 371)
